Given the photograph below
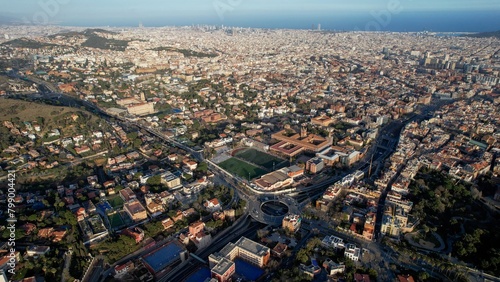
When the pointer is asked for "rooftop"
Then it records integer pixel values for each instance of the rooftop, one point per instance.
(252, 246)
(164, 256)
(222, 267)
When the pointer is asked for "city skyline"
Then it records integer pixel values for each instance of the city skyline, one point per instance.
(392, 15)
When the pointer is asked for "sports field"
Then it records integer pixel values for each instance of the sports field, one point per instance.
(125, 217)
(259, 158)
(116, 221)
(241, 168)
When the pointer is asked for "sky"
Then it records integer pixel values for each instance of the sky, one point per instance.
(390, 15)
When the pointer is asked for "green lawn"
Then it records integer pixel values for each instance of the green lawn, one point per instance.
(242, 168)
(115, 201)
(259, 158)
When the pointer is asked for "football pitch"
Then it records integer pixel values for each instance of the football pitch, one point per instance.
(241, 168)
(260, 158)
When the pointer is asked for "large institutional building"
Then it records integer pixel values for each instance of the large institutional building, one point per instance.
(138, 107)
(160, 261)
(274, 180)
(141, 109)
(292, 143)
(135, 210)
(222, 265)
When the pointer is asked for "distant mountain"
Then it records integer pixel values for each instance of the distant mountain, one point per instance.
(484, 34)
(87, 33)
(186, 52)
(26, 43)
(96, 38)
(93, 31)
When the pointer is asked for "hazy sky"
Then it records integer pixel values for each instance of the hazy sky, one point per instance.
(271, 13)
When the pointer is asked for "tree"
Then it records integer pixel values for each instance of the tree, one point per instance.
(203, 167)
(372, 273)
(423, 276)
(132, 135)
(154, 180)
(302, 256)
(137, 143)
(152, 229)
(469, 243)
(137, 176)
(426, 228)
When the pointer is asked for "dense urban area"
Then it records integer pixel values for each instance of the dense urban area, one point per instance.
(209, 153)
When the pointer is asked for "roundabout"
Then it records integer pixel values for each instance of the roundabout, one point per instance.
(272, 209)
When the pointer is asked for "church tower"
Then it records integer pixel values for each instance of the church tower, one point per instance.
(303, 132)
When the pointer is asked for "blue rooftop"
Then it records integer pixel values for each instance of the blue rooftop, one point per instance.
(164, 256)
